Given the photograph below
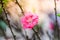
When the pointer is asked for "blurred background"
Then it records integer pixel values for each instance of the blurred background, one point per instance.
(47, 28)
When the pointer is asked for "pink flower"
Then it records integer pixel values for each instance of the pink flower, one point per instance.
(51, 26)
(29, 20)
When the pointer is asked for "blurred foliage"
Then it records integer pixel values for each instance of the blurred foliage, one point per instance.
(5, 1)
(0, 9)
(36, 28)
(58, 14)
(3, 25)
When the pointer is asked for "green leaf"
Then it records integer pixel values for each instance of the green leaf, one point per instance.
(58, 15)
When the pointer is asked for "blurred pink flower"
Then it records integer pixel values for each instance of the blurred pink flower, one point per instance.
(51, 26)
(57, 0)
(29, 20)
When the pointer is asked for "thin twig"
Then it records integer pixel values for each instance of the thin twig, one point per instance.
(8, 21)
(20, 7)
(56, 25)
(23, 14)
(37, 34)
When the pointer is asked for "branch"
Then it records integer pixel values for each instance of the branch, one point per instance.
(56, 25)
(37, 34)
(8, 21)
(23, 14)
(20, 7)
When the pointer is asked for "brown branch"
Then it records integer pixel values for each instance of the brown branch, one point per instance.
(56, 22)
(20, 7)
(37, 34)
(23, 14)
(8, 21)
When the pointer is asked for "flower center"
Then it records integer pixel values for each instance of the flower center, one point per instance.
(29, 20)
